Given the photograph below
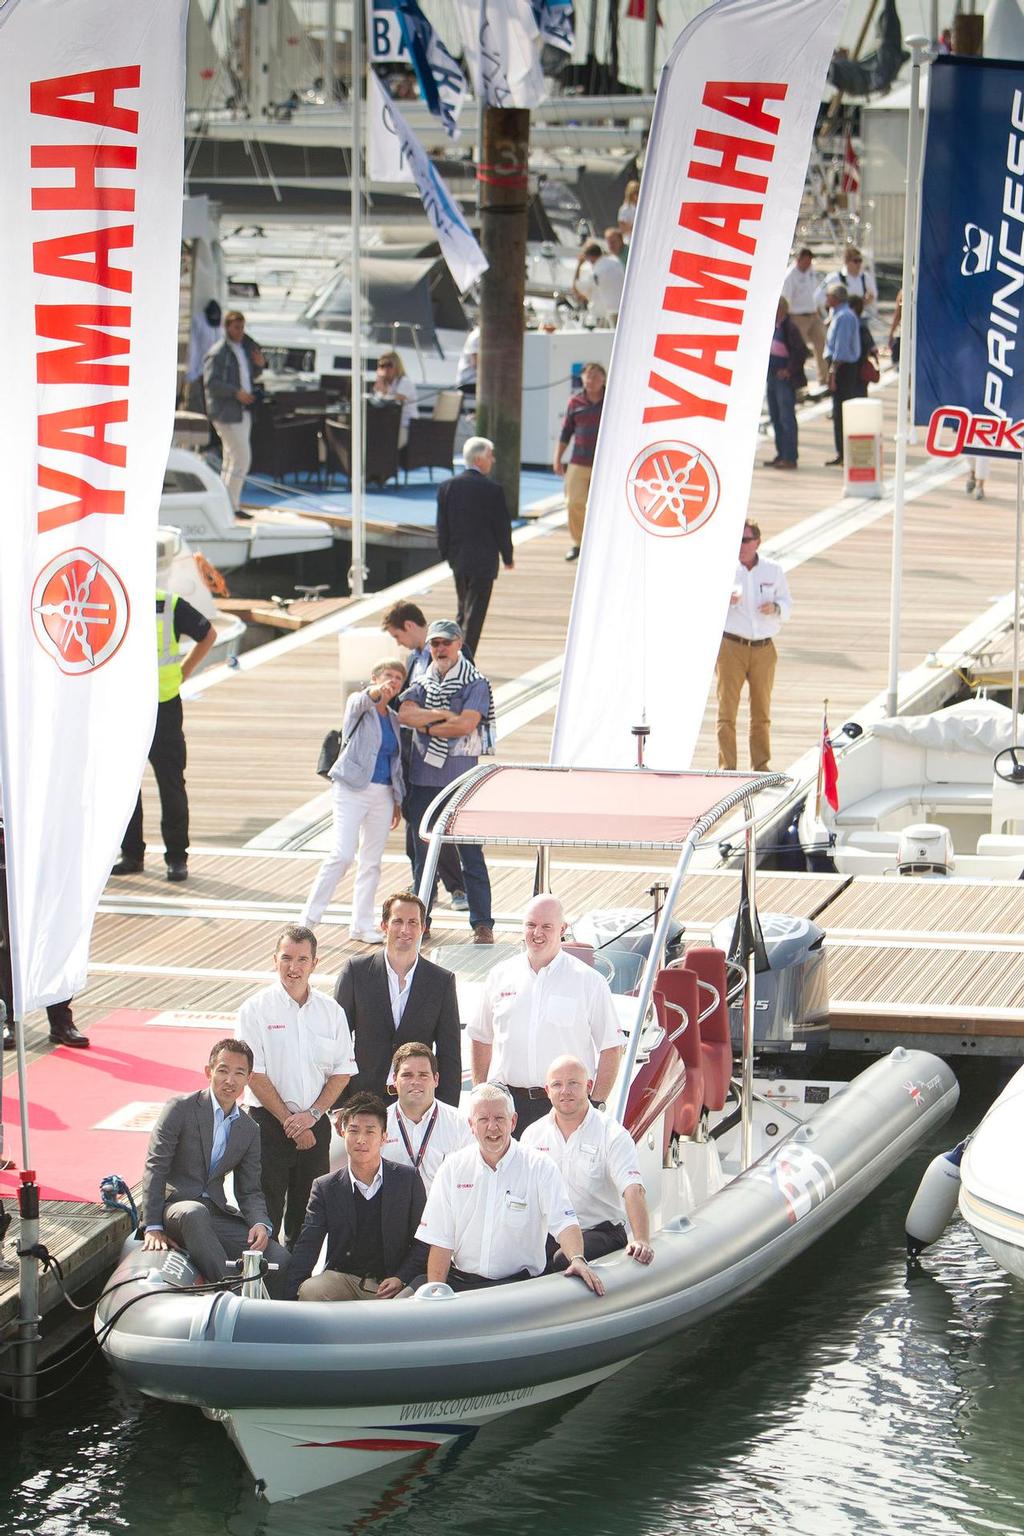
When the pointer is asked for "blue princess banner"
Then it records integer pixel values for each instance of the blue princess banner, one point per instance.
(969, 381)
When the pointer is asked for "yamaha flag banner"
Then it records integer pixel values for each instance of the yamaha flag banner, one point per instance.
(969, 385)
(92, 97)
(396, 154)
(721, 191)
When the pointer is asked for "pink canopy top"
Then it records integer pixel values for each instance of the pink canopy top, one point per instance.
(624, 807)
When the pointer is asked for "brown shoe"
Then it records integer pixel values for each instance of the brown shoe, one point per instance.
(483, 934)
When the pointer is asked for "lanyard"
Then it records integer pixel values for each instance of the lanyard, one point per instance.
(417, 1159)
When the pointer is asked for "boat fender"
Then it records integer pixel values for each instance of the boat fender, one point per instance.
(434, 1290)
(935, 1201)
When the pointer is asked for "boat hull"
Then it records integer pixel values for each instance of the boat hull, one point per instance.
(378, 1363)
(991, 1191)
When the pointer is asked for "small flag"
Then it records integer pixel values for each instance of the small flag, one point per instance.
(397, 154)
(503, 54)
(441, 81)
(828, 777)
(851, 168)
(554, 20)
(636, 10)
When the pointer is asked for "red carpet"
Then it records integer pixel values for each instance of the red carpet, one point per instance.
(131, 1068)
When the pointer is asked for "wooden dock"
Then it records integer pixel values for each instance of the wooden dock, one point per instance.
(940, 962)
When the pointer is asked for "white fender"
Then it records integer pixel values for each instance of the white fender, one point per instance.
(935, 1201)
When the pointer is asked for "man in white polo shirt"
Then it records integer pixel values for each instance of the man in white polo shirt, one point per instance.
(492, 1207)
(539, 1006)
(596, 1157)
(421, 1129)
(302, 1059)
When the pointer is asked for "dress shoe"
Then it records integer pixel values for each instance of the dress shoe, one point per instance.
(127, 867)
(177, 869)
(574, 553)
(483, 933)
(771, 463)
(831, 463)
(783, 464)
(459, 901)
(67, 1034)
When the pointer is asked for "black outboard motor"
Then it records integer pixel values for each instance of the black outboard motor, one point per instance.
(790, 987)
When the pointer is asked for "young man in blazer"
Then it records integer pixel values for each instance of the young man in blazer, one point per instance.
(196, 1141)
(368, 1212)
(394, 996)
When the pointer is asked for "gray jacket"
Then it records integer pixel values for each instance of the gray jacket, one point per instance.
(222, 379)
(178, 1161)
(362, 736)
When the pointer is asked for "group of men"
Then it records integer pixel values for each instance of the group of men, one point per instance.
(425, 1191)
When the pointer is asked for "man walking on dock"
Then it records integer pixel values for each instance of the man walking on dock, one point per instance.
(474, 531)
(580, 427)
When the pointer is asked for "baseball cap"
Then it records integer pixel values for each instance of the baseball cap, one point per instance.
(444, 629)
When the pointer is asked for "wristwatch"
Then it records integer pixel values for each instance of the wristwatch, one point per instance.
(316, 1113)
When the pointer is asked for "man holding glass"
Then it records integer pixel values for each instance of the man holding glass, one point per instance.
(759, 605)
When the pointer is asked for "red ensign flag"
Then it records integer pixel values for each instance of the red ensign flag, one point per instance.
(829, 770)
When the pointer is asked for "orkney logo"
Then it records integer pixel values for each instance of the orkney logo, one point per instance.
(672, 489)
(79, 611)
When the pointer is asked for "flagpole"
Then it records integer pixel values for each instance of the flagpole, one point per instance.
(481, 103)
(918, 48)
(821, 762)
(357, 570)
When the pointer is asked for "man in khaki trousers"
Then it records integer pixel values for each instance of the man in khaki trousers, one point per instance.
(580, 427)
(758, 607)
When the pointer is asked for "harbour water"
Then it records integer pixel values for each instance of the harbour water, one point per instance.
(841, 1399)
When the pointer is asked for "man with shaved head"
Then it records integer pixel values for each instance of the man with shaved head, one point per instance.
(535, 1008)
(597, 1158)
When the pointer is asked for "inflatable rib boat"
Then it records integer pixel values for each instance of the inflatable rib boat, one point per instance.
(738, 1185)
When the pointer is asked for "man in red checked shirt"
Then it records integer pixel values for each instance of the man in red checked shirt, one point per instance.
(580, 427)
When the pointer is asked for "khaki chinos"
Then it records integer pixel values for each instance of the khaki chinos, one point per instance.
(812, 329)
(751, 662)
(577, 489)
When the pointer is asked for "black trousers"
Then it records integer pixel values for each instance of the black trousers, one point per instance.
(607, 1237)
(462, 1280)
(848, 387)
(288, 1174)
(527, 1110)
(167, 759)
(474, 597)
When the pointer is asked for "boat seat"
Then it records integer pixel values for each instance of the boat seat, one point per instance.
(1000, 845)
(675, 998)
(708, 966)
(584, 952)
(927, 801)
(654, 1089)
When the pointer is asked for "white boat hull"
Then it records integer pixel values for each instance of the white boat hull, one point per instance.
(992, 1182)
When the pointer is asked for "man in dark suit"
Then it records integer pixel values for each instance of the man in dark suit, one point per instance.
(473, 531)
(196, 1141)
(394, 996)
(368, 1212)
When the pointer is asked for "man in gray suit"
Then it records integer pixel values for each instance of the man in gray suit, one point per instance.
(394, 996)
(196, 1141)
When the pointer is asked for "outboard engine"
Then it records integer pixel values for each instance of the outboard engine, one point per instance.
(791, 992)
(925, 849)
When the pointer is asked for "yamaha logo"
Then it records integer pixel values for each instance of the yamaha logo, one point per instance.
(672, 489)
(80, 611)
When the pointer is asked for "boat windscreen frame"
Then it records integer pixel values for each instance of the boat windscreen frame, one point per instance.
(447, 801)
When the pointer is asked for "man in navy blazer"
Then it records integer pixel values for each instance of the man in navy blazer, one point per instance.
(368, 1212)
(474, 530)
(395, 996)
(196, 1141)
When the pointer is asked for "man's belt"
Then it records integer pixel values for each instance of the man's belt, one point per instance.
(531, 1093)
(739, 640)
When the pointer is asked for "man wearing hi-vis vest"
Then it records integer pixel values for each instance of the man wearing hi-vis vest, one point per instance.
(174, 618)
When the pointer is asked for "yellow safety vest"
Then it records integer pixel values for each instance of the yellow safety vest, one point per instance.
(168, 651)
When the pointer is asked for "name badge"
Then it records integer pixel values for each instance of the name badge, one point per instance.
(514, 1202)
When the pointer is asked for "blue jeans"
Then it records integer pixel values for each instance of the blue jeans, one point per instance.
(471, 857)
(782, 410)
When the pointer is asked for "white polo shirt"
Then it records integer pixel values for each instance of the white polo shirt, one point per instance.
(298, 1048)
(533, 1017)
(450, 1132)
(598, 1163)
(496, 1221)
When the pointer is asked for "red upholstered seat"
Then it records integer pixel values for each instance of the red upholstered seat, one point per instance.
(655, 1088)
(708, 966)
(678, 990)
(584, 952)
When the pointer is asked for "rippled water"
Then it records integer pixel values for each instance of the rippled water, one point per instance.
(839, 1400)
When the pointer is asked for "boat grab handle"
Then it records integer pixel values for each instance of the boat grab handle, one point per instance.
(684, 1026)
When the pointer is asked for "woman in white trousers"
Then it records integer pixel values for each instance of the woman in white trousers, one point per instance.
(367, 791)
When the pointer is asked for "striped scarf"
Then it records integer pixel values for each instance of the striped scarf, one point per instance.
(439, 693)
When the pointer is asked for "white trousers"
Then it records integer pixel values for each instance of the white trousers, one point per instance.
(361, 821)
(237, 454)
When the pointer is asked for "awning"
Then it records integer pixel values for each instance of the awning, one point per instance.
(593, 807)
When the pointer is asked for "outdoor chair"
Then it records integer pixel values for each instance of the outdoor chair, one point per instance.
(431, 442)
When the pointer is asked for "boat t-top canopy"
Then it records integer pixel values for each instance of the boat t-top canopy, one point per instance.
(514, 805)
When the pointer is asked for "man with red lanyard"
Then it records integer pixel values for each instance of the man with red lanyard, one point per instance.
(421, 1130)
